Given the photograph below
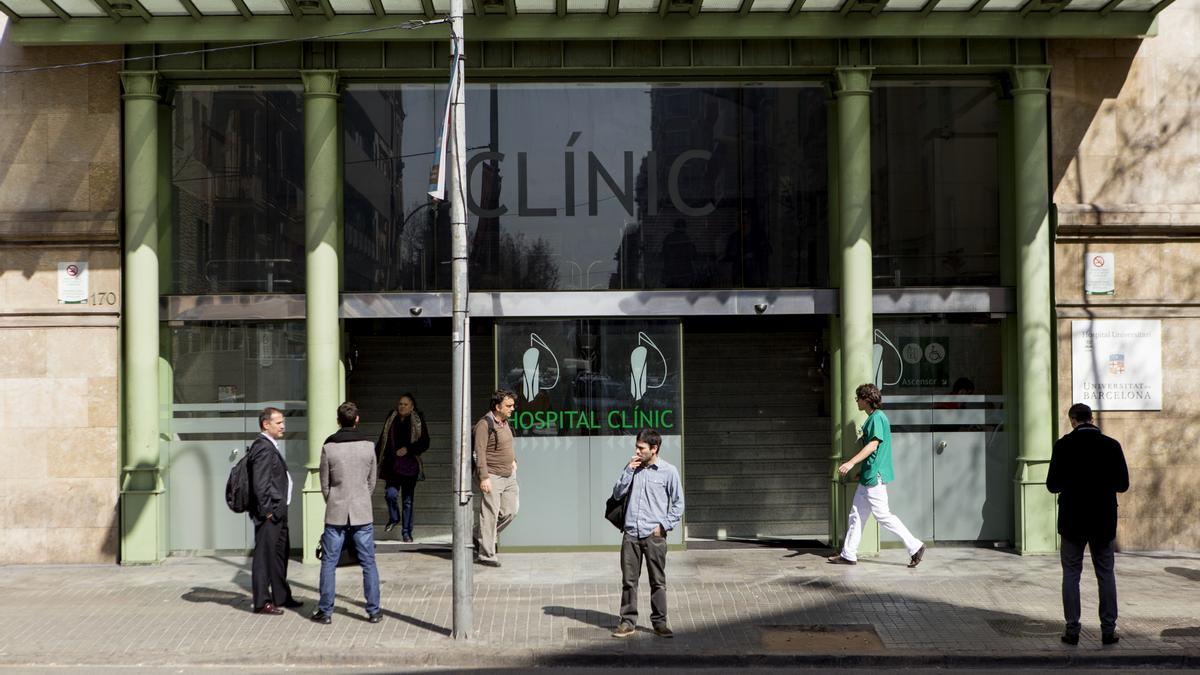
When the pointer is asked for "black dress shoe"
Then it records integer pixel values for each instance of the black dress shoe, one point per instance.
(321, 617)
(1110, 638)
(839, 560)
(1070, 638)
(292, 603)
(488, 563)
(917, 557)
(375, 618)
(268, 608)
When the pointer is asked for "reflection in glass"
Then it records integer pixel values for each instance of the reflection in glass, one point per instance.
(237, 199)
(590, 187)
(938, 357)
(592, 377)
(935, 193)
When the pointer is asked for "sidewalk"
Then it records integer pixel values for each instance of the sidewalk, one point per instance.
(741, 606)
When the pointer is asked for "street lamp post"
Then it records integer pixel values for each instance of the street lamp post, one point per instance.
(460, 338)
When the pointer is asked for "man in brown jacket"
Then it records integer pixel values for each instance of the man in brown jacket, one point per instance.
(348, 473)
(496, 470)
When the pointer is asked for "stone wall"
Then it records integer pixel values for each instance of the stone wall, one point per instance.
(1126, 166)
(60, 193)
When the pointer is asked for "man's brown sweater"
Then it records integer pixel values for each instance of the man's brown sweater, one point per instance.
(493, 451)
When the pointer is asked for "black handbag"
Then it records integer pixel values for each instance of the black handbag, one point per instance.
(614, 511)
(348, 557)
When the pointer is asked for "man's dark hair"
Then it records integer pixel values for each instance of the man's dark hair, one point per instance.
(347, 414)
(498, 397)
(650, 437)
(871, 394)
(1080, 413)
(266, 415)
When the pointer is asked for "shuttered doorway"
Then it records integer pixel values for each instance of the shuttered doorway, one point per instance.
(756, 444)
(395, 356)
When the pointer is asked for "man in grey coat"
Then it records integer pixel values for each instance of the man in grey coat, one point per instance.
(348, 473)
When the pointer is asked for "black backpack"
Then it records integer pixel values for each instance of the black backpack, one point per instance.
(237, 488)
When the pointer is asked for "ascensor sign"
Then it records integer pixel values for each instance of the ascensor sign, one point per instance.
(1117, 364)
(591, 377)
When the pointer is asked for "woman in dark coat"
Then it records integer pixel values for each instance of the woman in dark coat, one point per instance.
(401, 443)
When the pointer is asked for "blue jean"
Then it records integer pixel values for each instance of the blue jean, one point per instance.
(400, 492)
(1106, 580)
(364, 543)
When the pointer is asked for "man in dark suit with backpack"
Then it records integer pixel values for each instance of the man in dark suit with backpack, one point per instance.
(1087, 470)
(271, 491)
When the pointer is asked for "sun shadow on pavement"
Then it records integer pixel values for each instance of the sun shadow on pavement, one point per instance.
(1186, 572)
(590, 617)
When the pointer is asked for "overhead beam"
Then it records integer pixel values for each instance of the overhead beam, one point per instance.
(1163, 4)
(1109, 6)
(478, 5)
(327, 8)
(613, 7)
(978, 7)
(560, 7)
(695, 10)
(112, 13)
(242, 8)
(848, 6)
(295, 8)
(744, 9)
(427, 5)
(191, 8)
(664, 6)
(930, 6)
(58, 11)
(758, 25)
(377, 7)
(797, 5)
(13, 16)
(510, 8)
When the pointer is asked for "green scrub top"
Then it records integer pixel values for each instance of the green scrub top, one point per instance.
(879, 464)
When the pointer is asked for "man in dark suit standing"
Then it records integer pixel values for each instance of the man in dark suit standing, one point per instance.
(1087, 470)
(271, 486)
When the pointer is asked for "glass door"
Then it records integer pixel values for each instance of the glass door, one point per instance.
(224, 374)
(942, 384)
(585, 387)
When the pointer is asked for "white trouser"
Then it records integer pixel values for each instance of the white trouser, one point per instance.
(873, 500)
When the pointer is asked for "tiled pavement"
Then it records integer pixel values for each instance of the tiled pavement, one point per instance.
(745, 605)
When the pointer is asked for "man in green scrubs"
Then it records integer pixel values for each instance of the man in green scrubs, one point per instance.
(871, 496)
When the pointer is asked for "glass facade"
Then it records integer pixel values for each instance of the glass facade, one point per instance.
(593, 187)
(237, 190)
(935, 190)
(224, 373)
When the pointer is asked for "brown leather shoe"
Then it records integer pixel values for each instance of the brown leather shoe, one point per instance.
(917, 557)
(269, 608)
(839, 560)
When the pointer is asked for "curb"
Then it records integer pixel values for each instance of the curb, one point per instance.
(470, 658)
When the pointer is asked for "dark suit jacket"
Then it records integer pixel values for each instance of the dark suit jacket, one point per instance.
(268, 479)
(1087, 470)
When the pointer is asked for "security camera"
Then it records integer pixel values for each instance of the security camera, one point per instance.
(415, 311)
(760, 307)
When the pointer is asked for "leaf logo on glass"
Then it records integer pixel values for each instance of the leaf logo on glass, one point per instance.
(638, 379)
(531, 362)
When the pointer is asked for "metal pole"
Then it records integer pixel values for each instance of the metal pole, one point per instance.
(456, 165)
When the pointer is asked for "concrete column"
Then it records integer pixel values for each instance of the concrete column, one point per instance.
(142, 503)
(322, 175)
(1035, 527)
(854, 238)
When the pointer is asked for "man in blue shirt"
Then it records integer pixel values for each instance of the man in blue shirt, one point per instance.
(655, 507)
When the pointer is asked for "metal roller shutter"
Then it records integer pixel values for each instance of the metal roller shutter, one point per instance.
(757, 430)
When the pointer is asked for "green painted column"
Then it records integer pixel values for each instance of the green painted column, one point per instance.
(166, 373)
(837, 509)
(854, 238)
(321, 178)
(1035, 310)
(141, 480)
